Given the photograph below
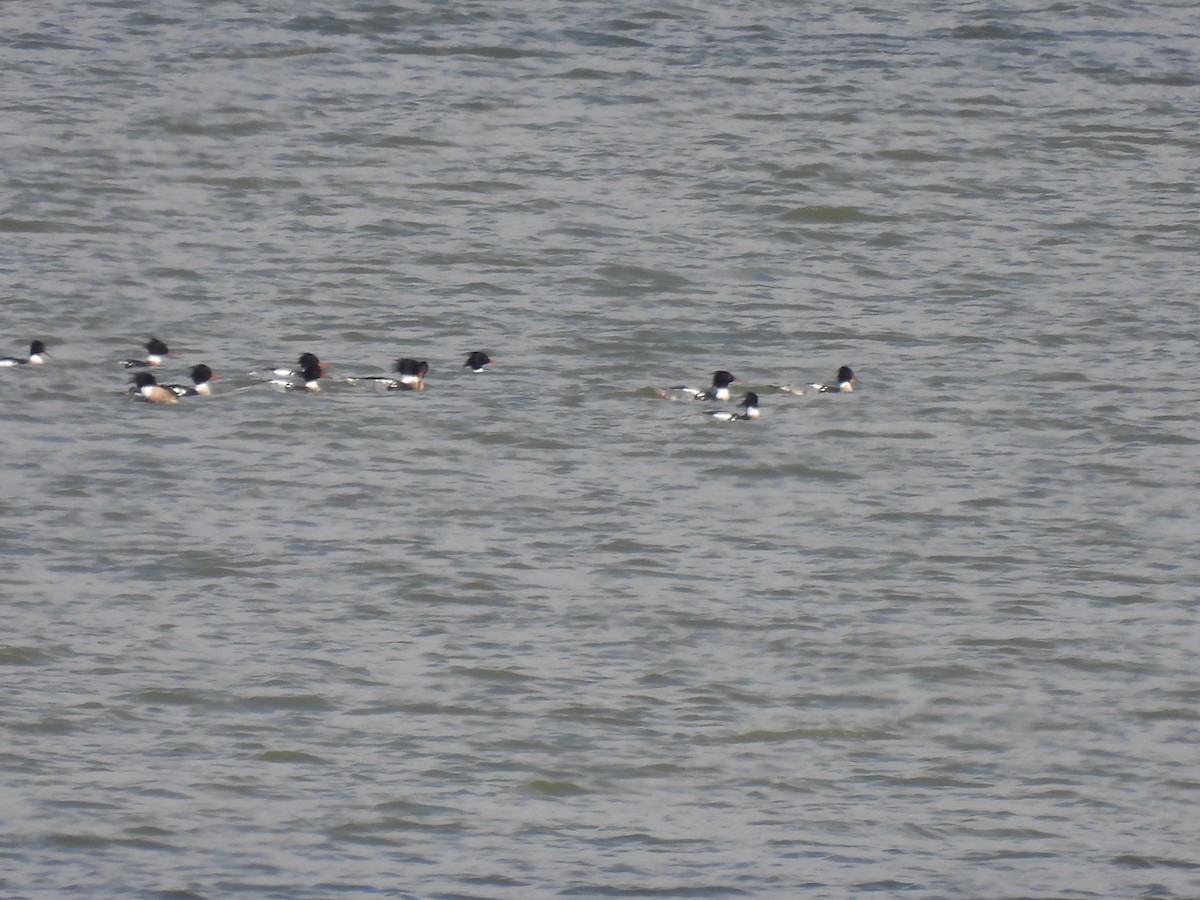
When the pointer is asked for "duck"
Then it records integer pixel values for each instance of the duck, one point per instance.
(721, 380)
(843, 382)
(410, 376)
(309, 380)
(201, 376)
(37, 356)
(147, 388)
(477, 360)
(305, 361)
(156, 352)
(749, 407)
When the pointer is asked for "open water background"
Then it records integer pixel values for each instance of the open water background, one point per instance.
(534, 633)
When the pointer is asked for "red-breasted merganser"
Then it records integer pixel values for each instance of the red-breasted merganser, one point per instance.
(477, 360)
(721, 381)
(749, 407)
(309, 380)
(843, 382)
(201, 375)
(151, 391)
(305, 361)
(410, 376)
(37, 355)
(156, 350)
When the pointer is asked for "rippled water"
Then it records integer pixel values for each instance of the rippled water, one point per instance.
(534, 632)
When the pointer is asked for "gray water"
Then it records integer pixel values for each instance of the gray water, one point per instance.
(535, 632)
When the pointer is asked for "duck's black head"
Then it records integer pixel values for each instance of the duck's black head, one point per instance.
(306, 360)
(36, 347)
(751, 399)
(845, 373)
(157, 347)
(201, 373)
(721, 378)
(417, 369)
(477, 360)
(144, 379)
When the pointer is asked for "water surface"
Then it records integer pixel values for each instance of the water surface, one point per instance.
(534, 632)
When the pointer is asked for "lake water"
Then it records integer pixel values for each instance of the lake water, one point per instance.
(535, 632)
